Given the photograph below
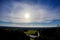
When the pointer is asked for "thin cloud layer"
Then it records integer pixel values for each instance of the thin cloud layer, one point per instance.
(37, 12)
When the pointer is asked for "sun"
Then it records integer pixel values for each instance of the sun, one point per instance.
(27, 15)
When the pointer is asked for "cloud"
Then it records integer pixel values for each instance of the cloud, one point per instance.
(27, 25)
(38, 13)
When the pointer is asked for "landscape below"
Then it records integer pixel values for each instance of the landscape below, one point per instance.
(18, 33)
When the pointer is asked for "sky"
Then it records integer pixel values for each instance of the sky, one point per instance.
(29, 13)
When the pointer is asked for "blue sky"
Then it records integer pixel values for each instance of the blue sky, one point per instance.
(29, 13)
